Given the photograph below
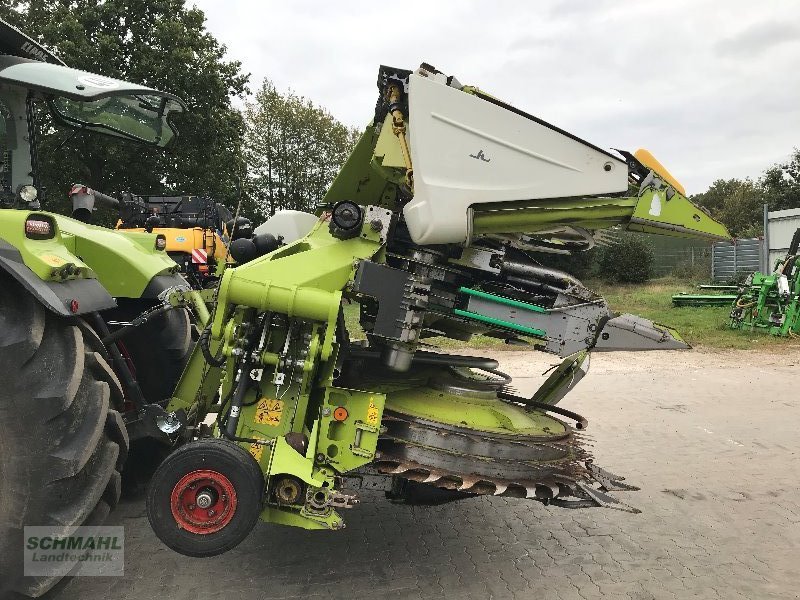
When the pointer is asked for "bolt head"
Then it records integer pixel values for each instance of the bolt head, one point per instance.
(204, 500)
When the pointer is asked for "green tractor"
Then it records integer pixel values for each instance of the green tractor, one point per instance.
(73, 395)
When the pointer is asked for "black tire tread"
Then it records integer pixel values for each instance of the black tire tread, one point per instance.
(57, 420)
(206, 453)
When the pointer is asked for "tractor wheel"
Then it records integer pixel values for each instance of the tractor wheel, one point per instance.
(62, 443)
(159, 349)
(205, 497)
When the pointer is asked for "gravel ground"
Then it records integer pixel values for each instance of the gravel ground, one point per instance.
(711, 438)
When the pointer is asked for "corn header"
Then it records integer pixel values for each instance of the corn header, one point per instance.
(116, 342)
(431, 228)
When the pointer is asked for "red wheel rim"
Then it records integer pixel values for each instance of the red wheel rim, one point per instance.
(203, 502)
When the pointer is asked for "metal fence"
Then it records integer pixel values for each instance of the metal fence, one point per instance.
(682, 257)
(672, 256)
(723, 261)
(729, 260)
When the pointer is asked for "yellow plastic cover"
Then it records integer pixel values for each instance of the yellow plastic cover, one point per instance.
(650, 161)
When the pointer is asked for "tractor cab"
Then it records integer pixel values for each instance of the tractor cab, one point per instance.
(31, 74)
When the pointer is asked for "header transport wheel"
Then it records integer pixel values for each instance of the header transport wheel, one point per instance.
(205, 497)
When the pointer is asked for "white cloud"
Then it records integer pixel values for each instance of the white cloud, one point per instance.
(711, 88)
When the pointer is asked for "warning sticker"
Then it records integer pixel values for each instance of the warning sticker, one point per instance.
(52, 260)
(199, 256)
(269, 411)
(257, 450)
(372, 413)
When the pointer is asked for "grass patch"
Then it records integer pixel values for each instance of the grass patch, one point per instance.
(703, 327)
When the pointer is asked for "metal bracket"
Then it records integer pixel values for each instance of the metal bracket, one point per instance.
(379, 220)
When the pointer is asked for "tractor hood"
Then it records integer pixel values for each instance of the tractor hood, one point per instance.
(88, 101)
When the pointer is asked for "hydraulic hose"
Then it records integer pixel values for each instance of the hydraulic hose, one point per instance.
(214, 361)
(222, 425)
(424, 357)
(140, 320)
(133, 391)
(232, 423)
(504, 378)
(247, 363)
(580, 422)
(528, 271)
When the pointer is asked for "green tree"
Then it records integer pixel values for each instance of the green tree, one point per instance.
(158, 43)
(743, 212)
(293, 149)
(781, 183)
(628, 261)
(739, 203)
(716, 196)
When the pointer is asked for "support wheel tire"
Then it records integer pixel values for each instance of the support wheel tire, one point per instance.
(62, 443)
(205, 498)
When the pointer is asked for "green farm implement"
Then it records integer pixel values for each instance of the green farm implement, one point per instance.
(270, 410)
(431, 227)
(771, 303)
(716, 297)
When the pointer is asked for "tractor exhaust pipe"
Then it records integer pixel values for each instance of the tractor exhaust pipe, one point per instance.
(85, 200)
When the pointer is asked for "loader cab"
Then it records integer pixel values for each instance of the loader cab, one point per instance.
(32, 76)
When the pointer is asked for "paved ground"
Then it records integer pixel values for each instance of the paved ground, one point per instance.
(711, 438)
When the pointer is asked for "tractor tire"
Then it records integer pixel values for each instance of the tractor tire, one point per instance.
(159, 349)
(62, 443)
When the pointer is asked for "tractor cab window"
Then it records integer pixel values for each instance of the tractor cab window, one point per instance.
(92, 102)
(141, 117)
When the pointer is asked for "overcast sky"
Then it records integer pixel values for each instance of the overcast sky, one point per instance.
(712, 88)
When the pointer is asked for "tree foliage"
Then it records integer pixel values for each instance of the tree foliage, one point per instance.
(629, 261)
(158, 43)
(739, 203)
(293, 148)
(780, 184)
